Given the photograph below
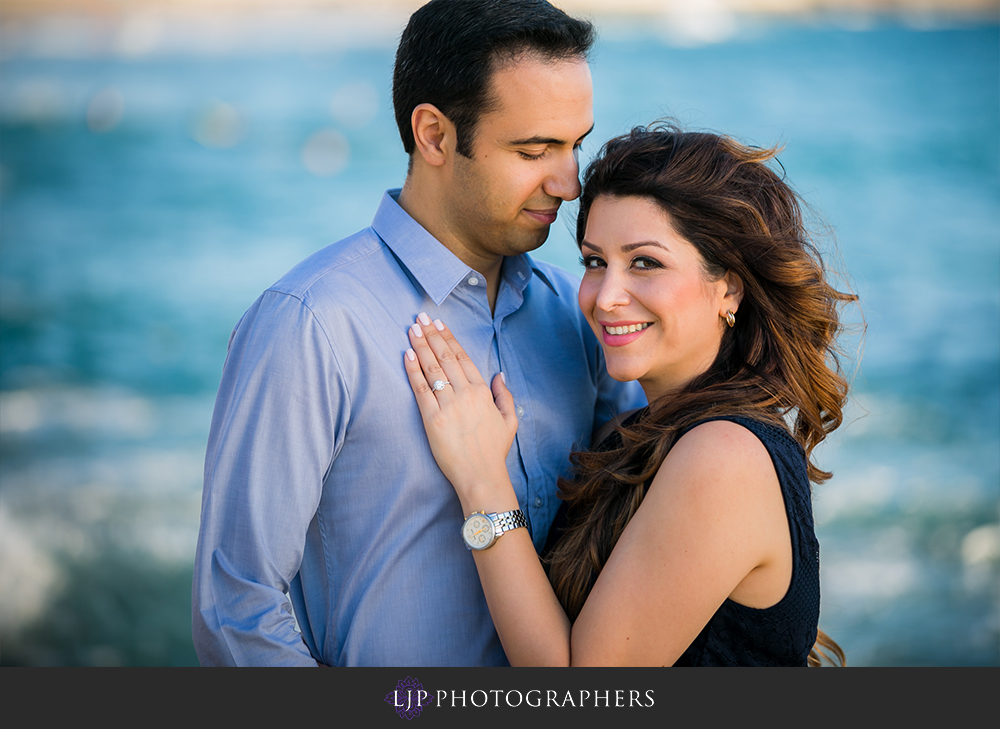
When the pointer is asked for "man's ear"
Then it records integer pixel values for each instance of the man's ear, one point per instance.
(433, 134)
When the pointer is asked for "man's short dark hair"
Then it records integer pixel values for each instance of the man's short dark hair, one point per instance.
(450, 49)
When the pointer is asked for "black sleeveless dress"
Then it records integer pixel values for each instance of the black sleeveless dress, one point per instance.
(783, 634)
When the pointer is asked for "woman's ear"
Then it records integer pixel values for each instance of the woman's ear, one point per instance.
(433, 134)
(734, 292)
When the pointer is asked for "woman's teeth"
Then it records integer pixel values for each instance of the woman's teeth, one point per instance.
(626, 330)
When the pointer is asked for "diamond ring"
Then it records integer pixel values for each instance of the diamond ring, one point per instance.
(438, 385)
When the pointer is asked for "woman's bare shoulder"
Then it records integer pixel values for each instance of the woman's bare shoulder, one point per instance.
(720, 455)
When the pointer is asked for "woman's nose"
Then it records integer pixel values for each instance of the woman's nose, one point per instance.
(613, 293)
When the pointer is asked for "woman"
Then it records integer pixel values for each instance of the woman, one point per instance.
(689, 533)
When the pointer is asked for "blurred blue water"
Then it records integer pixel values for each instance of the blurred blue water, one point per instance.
(144, 203)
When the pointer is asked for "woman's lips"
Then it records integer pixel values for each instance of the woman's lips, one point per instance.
(613, 339)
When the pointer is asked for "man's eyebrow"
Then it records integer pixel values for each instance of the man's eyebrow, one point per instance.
(545, 140)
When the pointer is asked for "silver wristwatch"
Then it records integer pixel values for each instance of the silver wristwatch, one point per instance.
(481, 530)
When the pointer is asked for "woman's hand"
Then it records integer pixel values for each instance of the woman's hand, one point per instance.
(470, 426)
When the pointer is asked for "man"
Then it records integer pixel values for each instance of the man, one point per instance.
(320, 489)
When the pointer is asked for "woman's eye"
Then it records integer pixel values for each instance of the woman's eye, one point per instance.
(591, 262)
(645, 263)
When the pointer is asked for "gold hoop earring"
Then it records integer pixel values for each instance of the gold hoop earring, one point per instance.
(730, 318)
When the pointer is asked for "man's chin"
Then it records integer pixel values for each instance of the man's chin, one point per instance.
(539, 240)
(527, 241)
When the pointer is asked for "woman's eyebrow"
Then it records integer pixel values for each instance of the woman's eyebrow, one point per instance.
(629, 247)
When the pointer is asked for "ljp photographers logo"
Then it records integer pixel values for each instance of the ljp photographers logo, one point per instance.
(409, 698)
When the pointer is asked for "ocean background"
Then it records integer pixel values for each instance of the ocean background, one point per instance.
(156, 174)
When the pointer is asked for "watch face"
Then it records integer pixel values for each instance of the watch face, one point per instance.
(478, 531)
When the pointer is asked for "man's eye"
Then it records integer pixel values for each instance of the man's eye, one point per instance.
(525, 155)
(591, 262)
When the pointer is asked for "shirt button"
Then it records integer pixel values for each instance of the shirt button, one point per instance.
(520, 411)
(473, 281)
(538, 502)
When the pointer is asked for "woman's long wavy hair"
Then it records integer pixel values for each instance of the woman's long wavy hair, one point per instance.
(778, 364)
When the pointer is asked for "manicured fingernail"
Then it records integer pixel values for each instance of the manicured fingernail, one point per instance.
(411, 355)
(503, 377)
(424, 319)
(417, 331)
(439, 325)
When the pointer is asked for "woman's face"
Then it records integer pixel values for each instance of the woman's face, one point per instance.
(647, 296)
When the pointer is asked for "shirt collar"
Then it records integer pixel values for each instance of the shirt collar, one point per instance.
(436, 269)
(541, 274)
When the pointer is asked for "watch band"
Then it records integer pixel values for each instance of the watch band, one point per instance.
(507, 520)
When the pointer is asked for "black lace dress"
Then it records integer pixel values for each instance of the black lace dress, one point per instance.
(783, 634)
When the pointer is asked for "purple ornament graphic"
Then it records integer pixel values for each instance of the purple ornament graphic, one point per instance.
(409, 698)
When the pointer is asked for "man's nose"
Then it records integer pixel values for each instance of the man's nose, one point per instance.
(564, 180)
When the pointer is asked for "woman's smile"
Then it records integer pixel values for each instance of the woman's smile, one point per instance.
(618, 334)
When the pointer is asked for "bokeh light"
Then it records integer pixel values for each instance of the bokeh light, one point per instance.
(326, 152)
(220, 125)
(105, 110)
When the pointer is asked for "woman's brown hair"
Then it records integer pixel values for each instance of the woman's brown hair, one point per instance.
(779, 364)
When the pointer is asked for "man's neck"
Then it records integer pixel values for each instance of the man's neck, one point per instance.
(421, 205)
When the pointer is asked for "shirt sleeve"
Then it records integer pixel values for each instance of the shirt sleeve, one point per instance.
(278, 419)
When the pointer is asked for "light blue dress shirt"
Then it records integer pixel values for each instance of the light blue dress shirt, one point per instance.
(320, 489)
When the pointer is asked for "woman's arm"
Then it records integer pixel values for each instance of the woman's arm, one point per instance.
(470, 429)
(712, 526)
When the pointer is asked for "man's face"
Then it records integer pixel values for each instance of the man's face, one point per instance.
(524, 162)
